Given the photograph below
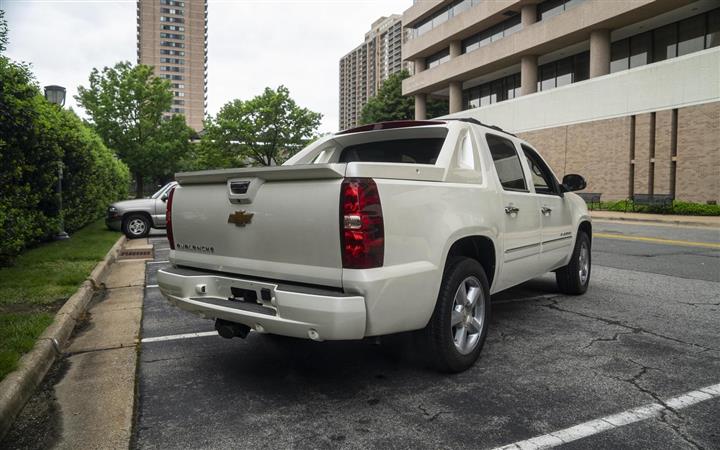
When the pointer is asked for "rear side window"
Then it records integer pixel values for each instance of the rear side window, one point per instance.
(507, 163)
(406, 151)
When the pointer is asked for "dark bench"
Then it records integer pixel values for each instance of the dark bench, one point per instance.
(591, 198)
(663, 200)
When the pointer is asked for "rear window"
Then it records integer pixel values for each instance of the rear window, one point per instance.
(407, 151)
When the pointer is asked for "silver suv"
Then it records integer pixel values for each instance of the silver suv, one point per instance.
(136, 217)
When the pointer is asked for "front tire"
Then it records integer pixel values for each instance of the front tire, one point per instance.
(574, 278)
(136, 226)
(458, 327)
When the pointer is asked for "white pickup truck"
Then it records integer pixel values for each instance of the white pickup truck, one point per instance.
(381, 229)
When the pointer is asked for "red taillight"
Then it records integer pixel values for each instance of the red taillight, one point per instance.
(168, 218)
(362, 233)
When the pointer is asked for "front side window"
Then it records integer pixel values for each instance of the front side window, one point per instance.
(507, 163)
(542, 178)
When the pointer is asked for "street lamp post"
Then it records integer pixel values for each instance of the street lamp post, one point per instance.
(56, 94)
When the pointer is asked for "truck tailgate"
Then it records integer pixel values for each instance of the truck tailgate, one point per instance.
(277, 223)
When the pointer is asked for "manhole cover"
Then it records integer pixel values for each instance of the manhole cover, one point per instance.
(136, 254)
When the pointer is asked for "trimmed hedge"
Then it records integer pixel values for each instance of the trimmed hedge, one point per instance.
(35, 136)
(678, 207)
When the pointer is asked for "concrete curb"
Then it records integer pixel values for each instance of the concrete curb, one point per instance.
(681, 222)
(18, 386)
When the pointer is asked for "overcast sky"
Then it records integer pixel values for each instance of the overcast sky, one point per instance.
(252, 44)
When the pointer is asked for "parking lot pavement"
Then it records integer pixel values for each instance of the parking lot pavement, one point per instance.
(644, 333)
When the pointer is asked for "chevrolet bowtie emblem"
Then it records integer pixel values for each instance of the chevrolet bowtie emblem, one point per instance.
(240, 218)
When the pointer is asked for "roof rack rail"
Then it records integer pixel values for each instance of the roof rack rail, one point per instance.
(477, 122)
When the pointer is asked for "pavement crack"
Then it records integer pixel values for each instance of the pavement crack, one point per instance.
(431, 417)
(634, 329)
(663, 416)
(615, 338)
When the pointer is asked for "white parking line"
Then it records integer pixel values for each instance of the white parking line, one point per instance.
(596, 426)
(158, 262)
(151, 285)
(179, 336)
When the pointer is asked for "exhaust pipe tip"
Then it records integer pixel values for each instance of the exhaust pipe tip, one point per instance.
(229, 330)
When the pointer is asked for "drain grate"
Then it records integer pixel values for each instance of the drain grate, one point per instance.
(136, 254)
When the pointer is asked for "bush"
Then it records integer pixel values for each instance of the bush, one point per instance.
(34, 137)
(678, 207)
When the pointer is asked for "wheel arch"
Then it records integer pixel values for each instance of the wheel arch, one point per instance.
(586, 227)
(139, 213)
(478, 247)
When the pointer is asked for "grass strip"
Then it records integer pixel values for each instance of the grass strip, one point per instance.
(38, 284)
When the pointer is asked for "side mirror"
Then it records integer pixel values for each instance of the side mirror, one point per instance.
(573, 182)
(164, 197)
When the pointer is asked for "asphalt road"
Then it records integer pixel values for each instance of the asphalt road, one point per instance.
(647, 330)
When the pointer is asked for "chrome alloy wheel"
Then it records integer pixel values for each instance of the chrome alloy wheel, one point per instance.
(468, 315)
(136, 226)
(584, 263)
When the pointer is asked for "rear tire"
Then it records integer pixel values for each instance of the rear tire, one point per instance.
(458, 327)
(136, 226)
(574, 278)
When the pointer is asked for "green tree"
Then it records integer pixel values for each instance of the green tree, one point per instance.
(125, 104)
(3, 32)
(265, 130)
(390, 104)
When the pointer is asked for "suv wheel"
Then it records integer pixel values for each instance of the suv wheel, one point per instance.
(458, 327)
(574, 278)
(136, 226)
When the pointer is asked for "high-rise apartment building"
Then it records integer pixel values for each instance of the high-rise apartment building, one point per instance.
(363, 70)
(172, 37)
(624, 92)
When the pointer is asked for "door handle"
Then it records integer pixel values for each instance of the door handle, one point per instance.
(545, 210)
(511, 209)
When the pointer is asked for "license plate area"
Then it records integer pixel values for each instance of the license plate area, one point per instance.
(243, 295)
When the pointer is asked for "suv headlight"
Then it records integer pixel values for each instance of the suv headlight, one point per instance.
(112, 209)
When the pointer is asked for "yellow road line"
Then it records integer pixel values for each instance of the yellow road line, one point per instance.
(657, 240)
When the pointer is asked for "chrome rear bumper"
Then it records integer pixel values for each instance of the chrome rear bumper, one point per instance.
(275, 308)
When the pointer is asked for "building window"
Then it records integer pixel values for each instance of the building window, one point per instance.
(676, 39)
(172, 36)
(177, 12)
(712, 39)
(172, 19)
(179, 102)
(164, 51)
(552, 8)
(492, 34)
(620, 55)
(492, 92)
(691, 35)
(172, 60)
(437, 59)
(442, 16)
(565, 71)
(640, 50)
(172, 3)
(172, 28)
(172, 44)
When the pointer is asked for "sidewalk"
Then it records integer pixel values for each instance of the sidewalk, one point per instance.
(668, 219)
(96, 395)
